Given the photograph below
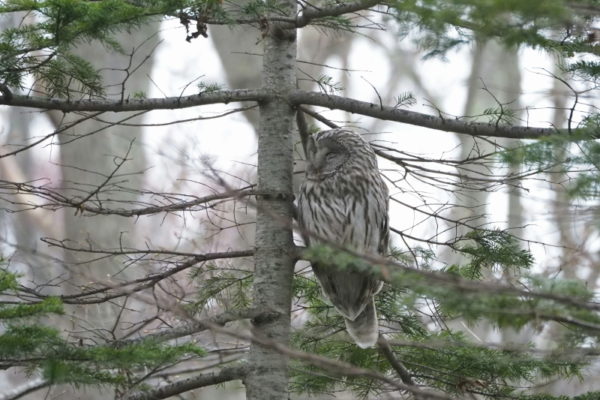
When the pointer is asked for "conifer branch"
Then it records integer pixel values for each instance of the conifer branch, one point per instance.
(334, 367)
(184, 385)
(394, 272)
(309, 14)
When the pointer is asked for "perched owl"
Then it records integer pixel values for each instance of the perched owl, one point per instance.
(345, 201)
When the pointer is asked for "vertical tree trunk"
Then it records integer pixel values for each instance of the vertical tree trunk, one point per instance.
(274, 261)
(85, 164)
(495, 66)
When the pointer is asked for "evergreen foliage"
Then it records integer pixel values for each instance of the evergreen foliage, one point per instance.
(223, 285)
(38, 348)
(446, 358)
(449, 361)
(45, 47)
(446, 24)
(579, 157)
(491, 248)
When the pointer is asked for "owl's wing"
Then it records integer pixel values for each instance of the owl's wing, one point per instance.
(366, 229)
(384, 225)
(348, 291)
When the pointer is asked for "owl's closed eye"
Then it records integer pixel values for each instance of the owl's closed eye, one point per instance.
(324, 158)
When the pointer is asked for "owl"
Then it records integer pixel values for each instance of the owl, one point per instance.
(344, 200)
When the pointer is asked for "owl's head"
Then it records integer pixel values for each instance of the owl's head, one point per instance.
(334, 150)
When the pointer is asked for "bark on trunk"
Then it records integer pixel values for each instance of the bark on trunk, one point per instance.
(274, 260)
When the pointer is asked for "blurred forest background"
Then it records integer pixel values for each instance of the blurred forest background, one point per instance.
(443, 185)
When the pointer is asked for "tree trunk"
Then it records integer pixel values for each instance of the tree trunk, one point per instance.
(274, 261)
(85, 163)
(503, 84)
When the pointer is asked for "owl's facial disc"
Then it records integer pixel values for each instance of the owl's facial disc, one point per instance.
(326, 158)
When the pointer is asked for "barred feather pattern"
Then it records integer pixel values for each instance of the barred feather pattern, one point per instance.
(344, 200)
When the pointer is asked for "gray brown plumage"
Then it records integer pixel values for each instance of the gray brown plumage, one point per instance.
(345, 201)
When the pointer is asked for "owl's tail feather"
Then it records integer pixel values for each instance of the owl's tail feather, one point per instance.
(365, 328)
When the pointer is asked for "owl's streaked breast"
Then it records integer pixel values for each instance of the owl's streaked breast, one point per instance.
(343, 209)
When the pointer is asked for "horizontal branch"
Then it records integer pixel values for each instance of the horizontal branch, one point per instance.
(297, 97)
(310, 14)
(196, 326)
(58, 200)
(113, 291)
(167, 103)
(184, 385)
(333, 367)
(27, 388)
(183, 206)
(419, 119)
(395, 273)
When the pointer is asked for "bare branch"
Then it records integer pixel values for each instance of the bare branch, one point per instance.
(119, 161)
(56, 132)
(318, 117)
(58, 200)
(192, 328)
(419, 119)
(295, 97)
(184, 385)
(109, 292)
(386, 350)
(27, 388)
(168, 103)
